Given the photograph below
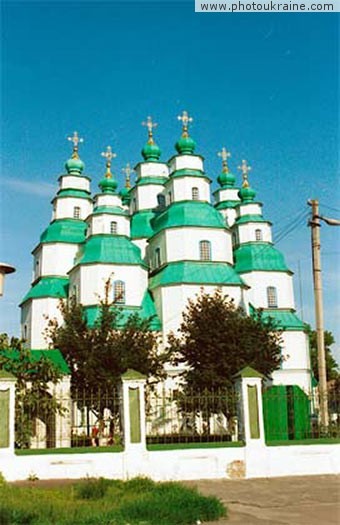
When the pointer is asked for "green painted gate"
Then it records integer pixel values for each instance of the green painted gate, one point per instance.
(286, 413)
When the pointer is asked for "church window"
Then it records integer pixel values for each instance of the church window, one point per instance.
(169, 197)
(234, 238)
(157, 257)
(25, 332)
(161, 200)
(113, 227)
(272, 297)
(258, 235)
(205, 251)
(76, 212)
(119, 292)
(195, 194)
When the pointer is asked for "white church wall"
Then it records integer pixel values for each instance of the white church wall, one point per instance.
(252, 208)
(295, 350)
(183, 244)
(147, 195)
(26, 322)
(74, 182)
(108, 199)
(227, 194)
(300, 377)
(259, 281)
(247, 233)
(102, 224)
(157, 242)
(41, 310)
(94, 276)
(181, 188)
(142, 245)
(181, 162)
(57, 258)
(64, 207)
(152, 169)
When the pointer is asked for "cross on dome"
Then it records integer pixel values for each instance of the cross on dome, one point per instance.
(224, 154)
(109, 155)
(245, 169)
(150, 125)
(76, 140)
(127, 170)
(186, 120)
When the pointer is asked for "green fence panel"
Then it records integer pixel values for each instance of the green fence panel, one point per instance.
(4, 418)
(253, 408)
(135, 423)
(275, 415)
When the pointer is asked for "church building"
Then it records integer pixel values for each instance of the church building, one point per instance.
(160, 240)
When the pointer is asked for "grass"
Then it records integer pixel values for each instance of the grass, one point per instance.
(69, 450)
(177, 446)
(138, 501)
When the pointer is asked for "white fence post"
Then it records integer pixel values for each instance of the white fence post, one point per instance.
(7, 412)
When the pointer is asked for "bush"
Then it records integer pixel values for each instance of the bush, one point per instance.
(92, 488)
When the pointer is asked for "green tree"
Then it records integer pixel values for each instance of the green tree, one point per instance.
(98, 355)
(33, 378)
(217, 339)
(332, 367)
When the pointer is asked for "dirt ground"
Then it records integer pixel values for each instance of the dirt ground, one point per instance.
(308, 500)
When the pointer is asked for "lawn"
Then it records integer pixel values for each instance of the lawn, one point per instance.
(138, 501)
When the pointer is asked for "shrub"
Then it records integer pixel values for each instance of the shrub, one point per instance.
(92, 488)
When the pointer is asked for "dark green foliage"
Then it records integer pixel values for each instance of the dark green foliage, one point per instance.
(332, 367)
(99, 355)
(217, 339)
(32, 394)
(106, 502)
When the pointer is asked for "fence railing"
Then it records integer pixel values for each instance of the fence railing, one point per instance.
(83, 418)
(175, 416)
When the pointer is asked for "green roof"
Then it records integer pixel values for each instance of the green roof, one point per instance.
(113, 210)
(189, 173)
(141, 224)
(248, 371)
(151, 180)
(250, 218)
(196, 272)
(259, 256)
(226, 204)
(146, 310)
(65, 230)
(78, 194)
(56, 287)
(55, 356)
(286, 319)
(110, 249)
(188, 213)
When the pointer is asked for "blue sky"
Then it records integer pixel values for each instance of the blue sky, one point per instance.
(265, 86)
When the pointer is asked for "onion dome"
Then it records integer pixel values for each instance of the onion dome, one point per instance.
(151, 151)
(226, 179)
(246, 193)
(74, 165)
(185, 145)
(125, 192)
(108, 184)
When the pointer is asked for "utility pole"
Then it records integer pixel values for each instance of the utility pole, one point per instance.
(315, 225)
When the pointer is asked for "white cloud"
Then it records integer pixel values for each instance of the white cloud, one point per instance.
(38, 188)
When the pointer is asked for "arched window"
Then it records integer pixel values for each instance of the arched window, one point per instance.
(258, 235)
(76, 212)
(272, 297)
(169, 197)
(205, 251)
(157, 257)
(113, 227)
(195, 194)
(25, 332)
(161, 200)
(234, 238)
(119, 292)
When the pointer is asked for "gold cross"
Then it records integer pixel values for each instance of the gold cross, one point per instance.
(245, 170)
(186, 120)
(76, 141)
(224, 154)
(109, 155)
(128, 170)
(150, 125)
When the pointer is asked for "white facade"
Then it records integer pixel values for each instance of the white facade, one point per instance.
(53, 259)
(259, 283)
(72, 208)
(34, 317)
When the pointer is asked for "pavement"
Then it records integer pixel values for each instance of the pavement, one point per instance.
(307, 500)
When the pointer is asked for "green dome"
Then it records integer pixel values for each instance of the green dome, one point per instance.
(125, 195)
(151, 152)
(74, 166)
(247, 194)
(108, 185)
(259, 256)
(185, 146)
(108, 249)
(226, 179)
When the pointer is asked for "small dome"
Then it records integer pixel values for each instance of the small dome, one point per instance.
(247, 194)
(125, 195)
(226, 179)
(186, 145)
(108, 185)
(74, 166)
(151, 152)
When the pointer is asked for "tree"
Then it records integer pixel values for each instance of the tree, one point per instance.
(98, 355)
(217, 339)
(332, 367)
(33, 377)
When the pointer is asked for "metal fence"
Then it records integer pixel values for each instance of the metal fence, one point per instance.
(175, 416)
(82, 418)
